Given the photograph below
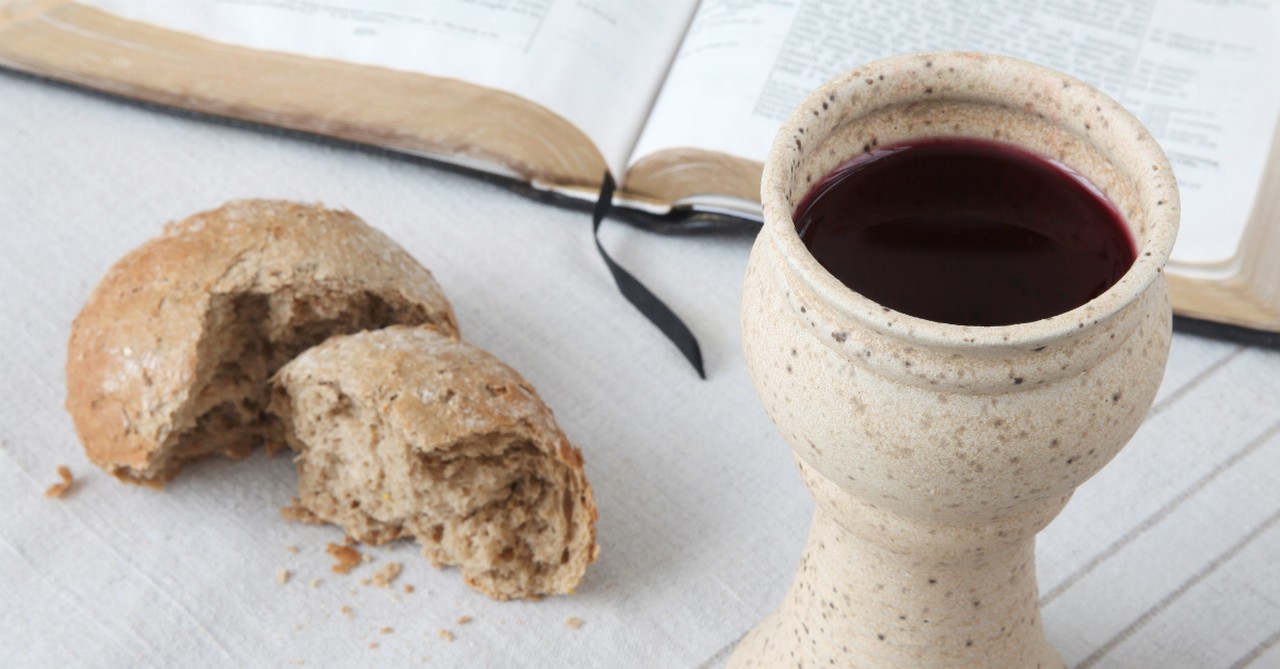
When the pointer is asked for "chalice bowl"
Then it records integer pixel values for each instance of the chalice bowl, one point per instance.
(936, 451)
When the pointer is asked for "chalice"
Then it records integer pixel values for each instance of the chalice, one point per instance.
(935, 451)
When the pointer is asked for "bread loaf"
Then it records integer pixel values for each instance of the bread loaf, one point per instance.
(169, 359)
(408, 431)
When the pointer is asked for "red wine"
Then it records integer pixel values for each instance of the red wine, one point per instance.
(965, 231)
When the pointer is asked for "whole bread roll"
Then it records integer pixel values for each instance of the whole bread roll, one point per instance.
(169, 359)
(410, 432)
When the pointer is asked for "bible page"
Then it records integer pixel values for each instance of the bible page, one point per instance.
(597, 63)
(1201, 74)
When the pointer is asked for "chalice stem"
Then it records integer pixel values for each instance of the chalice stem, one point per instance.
(877, 591)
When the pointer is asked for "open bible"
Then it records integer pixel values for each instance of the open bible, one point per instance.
(680, 99)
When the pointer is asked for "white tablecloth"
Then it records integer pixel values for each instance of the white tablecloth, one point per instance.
(1166, 559)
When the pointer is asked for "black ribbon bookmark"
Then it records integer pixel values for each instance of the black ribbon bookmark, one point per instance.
(640, 297)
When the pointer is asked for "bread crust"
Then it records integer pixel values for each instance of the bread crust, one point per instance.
(415, 395)
(135, 352)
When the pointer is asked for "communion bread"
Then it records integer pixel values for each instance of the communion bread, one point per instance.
(169, 359)
(408, 431)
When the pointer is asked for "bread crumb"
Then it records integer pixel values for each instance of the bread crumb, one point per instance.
(315, 582)
(292, 549)
(389, 572)
(366, 558)
(408, 589)
(348, 612)
(463, 620)
(373, 645)
(366, 581)
(346, 556)
(282, 576)
(387, 630)
(574, 622)
(296, 512)
(60, 489)
(446, 635)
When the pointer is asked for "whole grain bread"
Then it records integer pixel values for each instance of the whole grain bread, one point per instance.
(168, 360)
(408, 431)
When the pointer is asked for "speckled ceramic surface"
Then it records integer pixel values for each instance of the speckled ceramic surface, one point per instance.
(936, 452)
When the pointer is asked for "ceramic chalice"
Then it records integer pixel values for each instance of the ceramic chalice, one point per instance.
(936, 452)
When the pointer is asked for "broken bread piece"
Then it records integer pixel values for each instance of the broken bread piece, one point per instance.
(408, 431)
(168, 361)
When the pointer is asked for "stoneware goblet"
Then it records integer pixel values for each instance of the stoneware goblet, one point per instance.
(936, 452)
